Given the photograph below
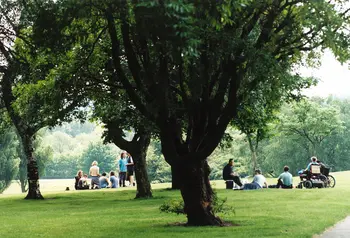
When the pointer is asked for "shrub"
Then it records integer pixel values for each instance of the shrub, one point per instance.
(177, 206)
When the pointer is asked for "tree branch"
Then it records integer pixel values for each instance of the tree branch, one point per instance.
(118, 67)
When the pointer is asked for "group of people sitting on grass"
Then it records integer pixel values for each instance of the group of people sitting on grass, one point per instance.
(284, 180)
(98, 181)
(126, 171)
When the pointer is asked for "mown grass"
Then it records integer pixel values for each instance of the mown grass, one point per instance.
(115, 213)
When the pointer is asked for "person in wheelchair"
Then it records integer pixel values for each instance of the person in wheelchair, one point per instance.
(307, 172)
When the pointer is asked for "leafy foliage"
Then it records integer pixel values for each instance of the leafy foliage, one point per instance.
(9, 159)
(158, 170)
(177, 206)
(107, 160)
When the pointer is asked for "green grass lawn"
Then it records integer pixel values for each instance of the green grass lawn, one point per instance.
(114, 213)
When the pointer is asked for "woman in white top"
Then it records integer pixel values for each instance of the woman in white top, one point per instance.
(95, 174)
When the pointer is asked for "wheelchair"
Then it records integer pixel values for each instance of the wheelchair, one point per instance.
(317, 177)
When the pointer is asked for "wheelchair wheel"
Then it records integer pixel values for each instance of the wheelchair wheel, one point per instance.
(331, 181)
(307, 184)
(324, 179)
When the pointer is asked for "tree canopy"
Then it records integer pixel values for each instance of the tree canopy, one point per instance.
(188, 67)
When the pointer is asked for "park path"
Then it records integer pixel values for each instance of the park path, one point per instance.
(339, 230)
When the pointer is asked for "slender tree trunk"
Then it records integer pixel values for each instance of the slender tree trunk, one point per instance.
(22, 167)
(32, 169)
(198, 195)
(138, 153)
(24, 131)
(23, 174)
(175, 177)
(253, 153)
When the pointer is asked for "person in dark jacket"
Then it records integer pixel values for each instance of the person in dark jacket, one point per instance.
(77, 178)
(228, 173)
(130, 170)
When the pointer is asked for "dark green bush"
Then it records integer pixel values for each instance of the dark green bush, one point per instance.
(177, 206)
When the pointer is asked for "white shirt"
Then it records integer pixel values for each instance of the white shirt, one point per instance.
(259, 179)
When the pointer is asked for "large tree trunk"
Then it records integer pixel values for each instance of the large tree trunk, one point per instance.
(198, 195)
(138, 153)
(32, 169)
(175, 177)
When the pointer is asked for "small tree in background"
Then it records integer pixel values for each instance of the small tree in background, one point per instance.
(103, 154)
(9, 159)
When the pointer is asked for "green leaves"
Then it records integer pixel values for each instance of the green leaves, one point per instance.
(313, 123)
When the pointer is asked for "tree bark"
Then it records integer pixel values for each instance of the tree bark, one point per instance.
(25, 133)
(175, 177)
(138, 150)
(197, 194)
(32, 169)
(139, 156)
(253, 152)
(23, 174)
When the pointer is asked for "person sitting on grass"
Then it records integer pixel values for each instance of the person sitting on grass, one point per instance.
(83, 182)
(77, 178)
(114, 180)
(95, 174)
(285, 180)
(259, 181)
(228, 173)
(104, 182)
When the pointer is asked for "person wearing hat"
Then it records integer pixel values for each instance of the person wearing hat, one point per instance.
(285, 180)
(95, 174)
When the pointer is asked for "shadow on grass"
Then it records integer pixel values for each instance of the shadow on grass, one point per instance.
(184, 224)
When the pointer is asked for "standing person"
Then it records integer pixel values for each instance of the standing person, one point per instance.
(122, 169)
(285, 180)
(114, 180)
(77, 178)
(95, 174)
(130, 170)
(229, 174)
(258, 181)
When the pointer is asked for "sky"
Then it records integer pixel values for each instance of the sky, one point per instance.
(334, 78)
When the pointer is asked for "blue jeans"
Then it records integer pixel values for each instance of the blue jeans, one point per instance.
(251, 186)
